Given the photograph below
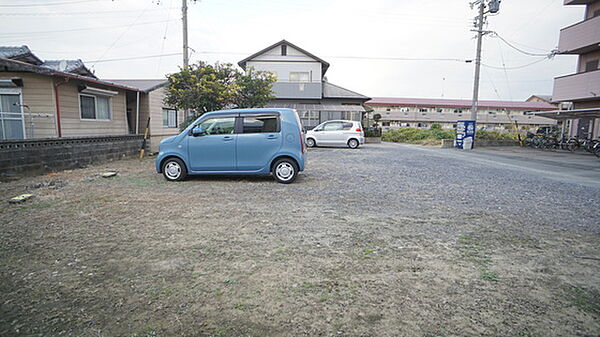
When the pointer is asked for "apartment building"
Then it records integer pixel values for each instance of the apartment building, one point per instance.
(422, 112)
(579, 93)
(302, 85)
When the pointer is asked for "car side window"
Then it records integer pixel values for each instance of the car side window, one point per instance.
(218, 126)
(333, 126)
(347, 126)
(260, 124)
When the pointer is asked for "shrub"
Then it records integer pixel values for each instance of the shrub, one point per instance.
(436, 134)
(417, 136)
(372, 132)
(494, 135)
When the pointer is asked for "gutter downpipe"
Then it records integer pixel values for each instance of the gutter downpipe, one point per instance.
(137, 112)
(56, 96)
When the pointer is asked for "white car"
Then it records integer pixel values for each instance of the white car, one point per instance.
(348, 133)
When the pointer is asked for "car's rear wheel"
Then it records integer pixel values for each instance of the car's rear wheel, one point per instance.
(285, 170)
(353, 143)
(310, 142)
(174, 169)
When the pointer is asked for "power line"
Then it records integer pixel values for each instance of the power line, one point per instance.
(82, 13)
(359, 57)
(549, 54)
(132, 58)
(123, 33)
(82, 29)
(49, 3)
(517, 67)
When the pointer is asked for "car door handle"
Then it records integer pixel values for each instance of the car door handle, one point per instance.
(227, 138)
(271, 136)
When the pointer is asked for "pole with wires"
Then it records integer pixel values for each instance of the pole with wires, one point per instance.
(480, 22)
(185, 34)
(493, 6)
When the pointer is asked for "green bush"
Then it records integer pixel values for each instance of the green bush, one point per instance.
(372, 132)
(436, 134)
(494, 135)
(417, 136)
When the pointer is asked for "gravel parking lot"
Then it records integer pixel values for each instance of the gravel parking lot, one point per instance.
(386, 240)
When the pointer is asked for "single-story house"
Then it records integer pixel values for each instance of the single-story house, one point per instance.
(62, 98)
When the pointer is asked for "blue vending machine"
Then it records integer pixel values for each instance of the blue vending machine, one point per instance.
(465, 135)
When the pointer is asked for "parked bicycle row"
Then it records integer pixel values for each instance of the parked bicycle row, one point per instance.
(555, 141)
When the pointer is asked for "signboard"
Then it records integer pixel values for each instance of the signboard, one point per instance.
(465, 135)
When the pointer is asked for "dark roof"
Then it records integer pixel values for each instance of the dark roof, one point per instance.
(20, 66)
(143, 85)
(547, 98)
(22, 53)
(324, 64)
(458, 103)
(69, 66)
(331, 90)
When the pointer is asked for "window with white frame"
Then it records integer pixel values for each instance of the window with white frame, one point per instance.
(299, 77)
(169, 118)
(95, 107)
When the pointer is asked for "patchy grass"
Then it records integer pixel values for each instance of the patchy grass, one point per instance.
(584, 299)
(473, 251)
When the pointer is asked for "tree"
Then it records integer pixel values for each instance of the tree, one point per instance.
(255, 89)
(203, 87)
(376, 118)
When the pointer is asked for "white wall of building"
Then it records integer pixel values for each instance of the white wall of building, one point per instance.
(283, 65)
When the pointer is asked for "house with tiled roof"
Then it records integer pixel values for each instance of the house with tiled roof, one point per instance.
(302, 85)
(63, 98)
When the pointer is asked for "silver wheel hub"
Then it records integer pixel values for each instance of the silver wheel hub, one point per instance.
(353, 143)
(173, 170)
(284, 171)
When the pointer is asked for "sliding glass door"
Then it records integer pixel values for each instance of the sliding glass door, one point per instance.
(11, 117)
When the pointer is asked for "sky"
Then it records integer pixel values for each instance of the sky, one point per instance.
(366, 42)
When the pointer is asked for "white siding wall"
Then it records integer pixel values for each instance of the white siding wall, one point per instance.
(282, 69)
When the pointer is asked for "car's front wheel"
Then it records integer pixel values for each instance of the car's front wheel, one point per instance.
(353, 143)
(285, 171)
(310, 142)
(174, 169)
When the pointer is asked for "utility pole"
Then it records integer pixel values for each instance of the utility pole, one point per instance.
(480, 23)
(185, 34)
(493, 6)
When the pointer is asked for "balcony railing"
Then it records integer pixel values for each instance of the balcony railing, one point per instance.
(311, 90)
(581, 37)
(582, 86)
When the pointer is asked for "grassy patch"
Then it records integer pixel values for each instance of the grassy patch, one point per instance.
(35, 205)
(307, 285)
(148, 331)
(368, 251)
(583, 299)
(474, 251)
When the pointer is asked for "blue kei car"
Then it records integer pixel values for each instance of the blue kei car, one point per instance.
(244, 141)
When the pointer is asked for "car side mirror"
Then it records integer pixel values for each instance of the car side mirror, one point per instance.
(198, 131)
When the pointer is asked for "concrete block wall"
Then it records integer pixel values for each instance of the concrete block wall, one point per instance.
(45, 155)
(449, 143)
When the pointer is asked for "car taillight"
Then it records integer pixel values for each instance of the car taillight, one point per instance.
(358, 130)
(302, 142)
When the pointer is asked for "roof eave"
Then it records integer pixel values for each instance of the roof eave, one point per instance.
(27, 67)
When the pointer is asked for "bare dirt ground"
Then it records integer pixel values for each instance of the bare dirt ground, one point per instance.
(382, 241)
